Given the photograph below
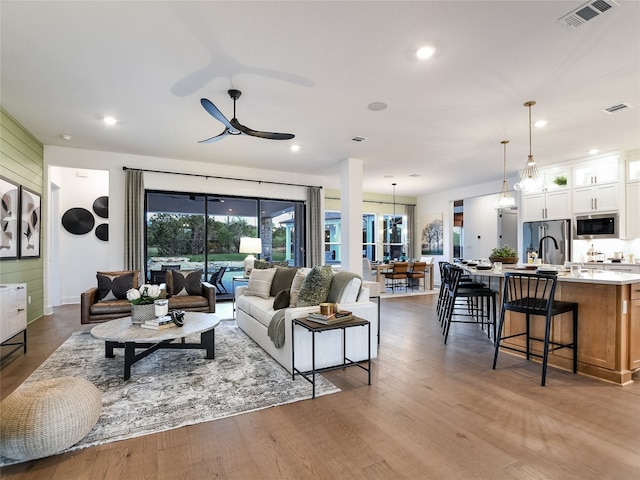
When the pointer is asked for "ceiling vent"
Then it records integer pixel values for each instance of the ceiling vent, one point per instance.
(616, 108)
(586, 12)
(359, 139)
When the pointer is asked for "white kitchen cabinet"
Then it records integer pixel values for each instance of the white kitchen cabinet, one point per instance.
(598, 198)
(550, 205)
(633, 170)
(596, 172)
(13, 315)
(622, 267)
(633, 210)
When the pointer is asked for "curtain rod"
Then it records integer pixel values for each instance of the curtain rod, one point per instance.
(223, 178)
(376, 201)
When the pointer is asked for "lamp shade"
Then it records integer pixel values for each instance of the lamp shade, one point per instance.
(250, 245)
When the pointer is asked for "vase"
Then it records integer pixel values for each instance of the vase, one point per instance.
(142, 313)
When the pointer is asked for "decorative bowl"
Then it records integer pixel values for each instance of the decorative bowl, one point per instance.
(503, 259)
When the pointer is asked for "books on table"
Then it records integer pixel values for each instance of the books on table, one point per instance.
(336, 317)
(159, 323)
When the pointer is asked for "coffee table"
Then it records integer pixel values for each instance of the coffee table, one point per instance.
(121, 333)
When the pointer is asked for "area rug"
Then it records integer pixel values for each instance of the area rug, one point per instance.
(173, 388)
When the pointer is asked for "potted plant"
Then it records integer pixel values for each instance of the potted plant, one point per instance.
(504, 254)
(142, 302)
(560, 180)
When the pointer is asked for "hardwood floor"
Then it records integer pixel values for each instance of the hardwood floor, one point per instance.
(432, 412)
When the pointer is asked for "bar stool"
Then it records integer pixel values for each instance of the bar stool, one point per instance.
(479, 303)
(533, 294)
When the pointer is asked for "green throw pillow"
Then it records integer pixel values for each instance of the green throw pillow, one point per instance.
(281, 300)
(282, 279)
(315, 287)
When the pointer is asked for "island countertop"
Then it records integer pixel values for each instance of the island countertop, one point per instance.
(608, 320)
(586, 276)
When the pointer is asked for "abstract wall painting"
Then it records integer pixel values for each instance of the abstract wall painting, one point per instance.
(9, 215)
(30, 224)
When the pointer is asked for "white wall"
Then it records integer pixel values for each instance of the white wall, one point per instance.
(442, 202)
(79, 258)
(480, 226)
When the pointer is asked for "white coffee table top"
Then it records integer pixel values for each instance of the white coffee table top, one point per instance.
(122, 330)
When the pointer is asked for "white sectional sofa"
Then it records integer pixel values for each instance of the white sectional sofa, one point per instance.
(254, 314)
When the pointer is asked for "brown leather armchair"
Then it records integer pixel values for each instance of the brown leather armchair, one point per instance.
(94, 311)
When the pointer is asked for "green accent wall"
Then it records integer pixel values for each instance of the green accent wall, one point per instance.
(22, 162)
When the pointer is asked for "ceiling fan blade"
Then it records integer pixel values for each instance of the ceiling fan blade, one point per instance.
(215, 113)
(216, 138)
(255, 133)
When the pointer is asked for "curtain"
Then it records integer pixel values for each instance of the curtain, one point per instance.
(411, 233)
(315, 227)
(134, 221)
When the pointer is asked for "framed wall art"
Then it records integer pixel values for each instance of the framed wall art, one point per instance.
(432, 234)
(9, 219)
(30, 207)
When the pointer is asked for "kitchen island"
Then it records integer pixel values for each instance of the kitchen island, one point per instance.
(608, 321)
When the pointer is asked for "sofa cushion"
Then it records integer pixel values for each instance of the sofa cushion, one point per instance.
(282, 299)
(315, 287)
(114, 285)
(345, 288)
(296, 283)
(282, 279)
(184, 282)
(260, 282)
(112, 306)
(259, 308)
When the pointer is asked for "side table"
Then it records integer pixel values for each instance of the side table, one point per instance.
(317, 328)
(239, 279)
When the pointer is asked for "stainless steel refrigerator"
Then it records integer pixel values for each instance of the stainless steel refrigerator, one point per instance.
(555, 247)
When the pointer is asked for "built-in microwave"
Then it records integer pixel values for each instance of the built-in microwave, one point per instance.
(596, 226)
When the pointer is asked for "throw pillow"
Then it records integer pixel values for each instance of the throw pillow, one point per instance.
(114, 285)
(260, 282)
(181, 283)
(296, 283)
(345, 287)
(315, 288)
(281, 300)
(282, 279)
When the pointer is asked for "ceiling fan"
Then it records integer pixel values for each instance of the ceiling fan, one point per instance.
(234, 127)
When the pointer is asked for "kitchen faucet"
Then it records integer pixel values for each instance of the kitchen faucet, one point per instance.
(555, 244)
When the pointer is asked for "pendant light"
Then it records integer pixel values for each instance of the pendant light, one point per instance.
(505, 200)
(529, 178)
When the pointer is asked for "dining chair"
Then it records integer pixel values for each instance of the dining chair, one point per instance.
(415, 273)
(397, 277)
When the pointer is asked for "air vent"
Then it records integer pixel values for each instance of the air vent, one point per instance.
(358, 139)
(586, 12)
(616, 108)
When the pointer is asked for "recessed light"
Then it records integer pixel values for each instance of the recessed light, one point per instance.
(377, 106)
(424, 53)
(109, 120)
(540, 123)
(593, 151)
(295, 148)
(66, 137)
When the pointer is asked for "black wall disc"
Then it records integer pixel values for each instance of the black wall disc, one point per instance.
(78, 221)
(102, 232)
(101, 207)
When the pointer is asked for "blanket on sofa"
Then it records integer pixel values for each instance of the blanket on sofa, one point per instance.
(338, 284)
(276, 328)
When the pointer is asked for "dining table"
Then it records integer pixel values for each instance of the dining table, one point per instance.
(381, 268)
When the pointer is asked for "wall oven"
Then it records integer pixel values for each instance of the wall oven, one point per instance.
(596, 226)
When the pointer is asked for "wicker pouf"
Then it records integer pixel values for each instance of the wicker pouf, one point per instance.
(44, 418)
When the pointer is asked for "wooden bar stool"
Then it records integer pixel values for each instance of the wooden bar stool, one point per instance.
(533, 294)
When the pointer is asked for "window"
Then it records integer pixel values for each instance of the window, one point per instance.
(333, 240)
(394, 243)
(203, 231)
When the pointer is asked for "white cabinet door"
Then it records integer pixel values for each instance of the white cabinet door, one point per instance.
(633, 210)
(557, 204)
(13, 305)
(622, 267)
(596, 199)
(533, 207)
(596, 172)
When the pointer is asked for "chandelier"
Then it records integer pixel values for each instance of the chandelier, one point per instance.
(529, 178)
(505, 200)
